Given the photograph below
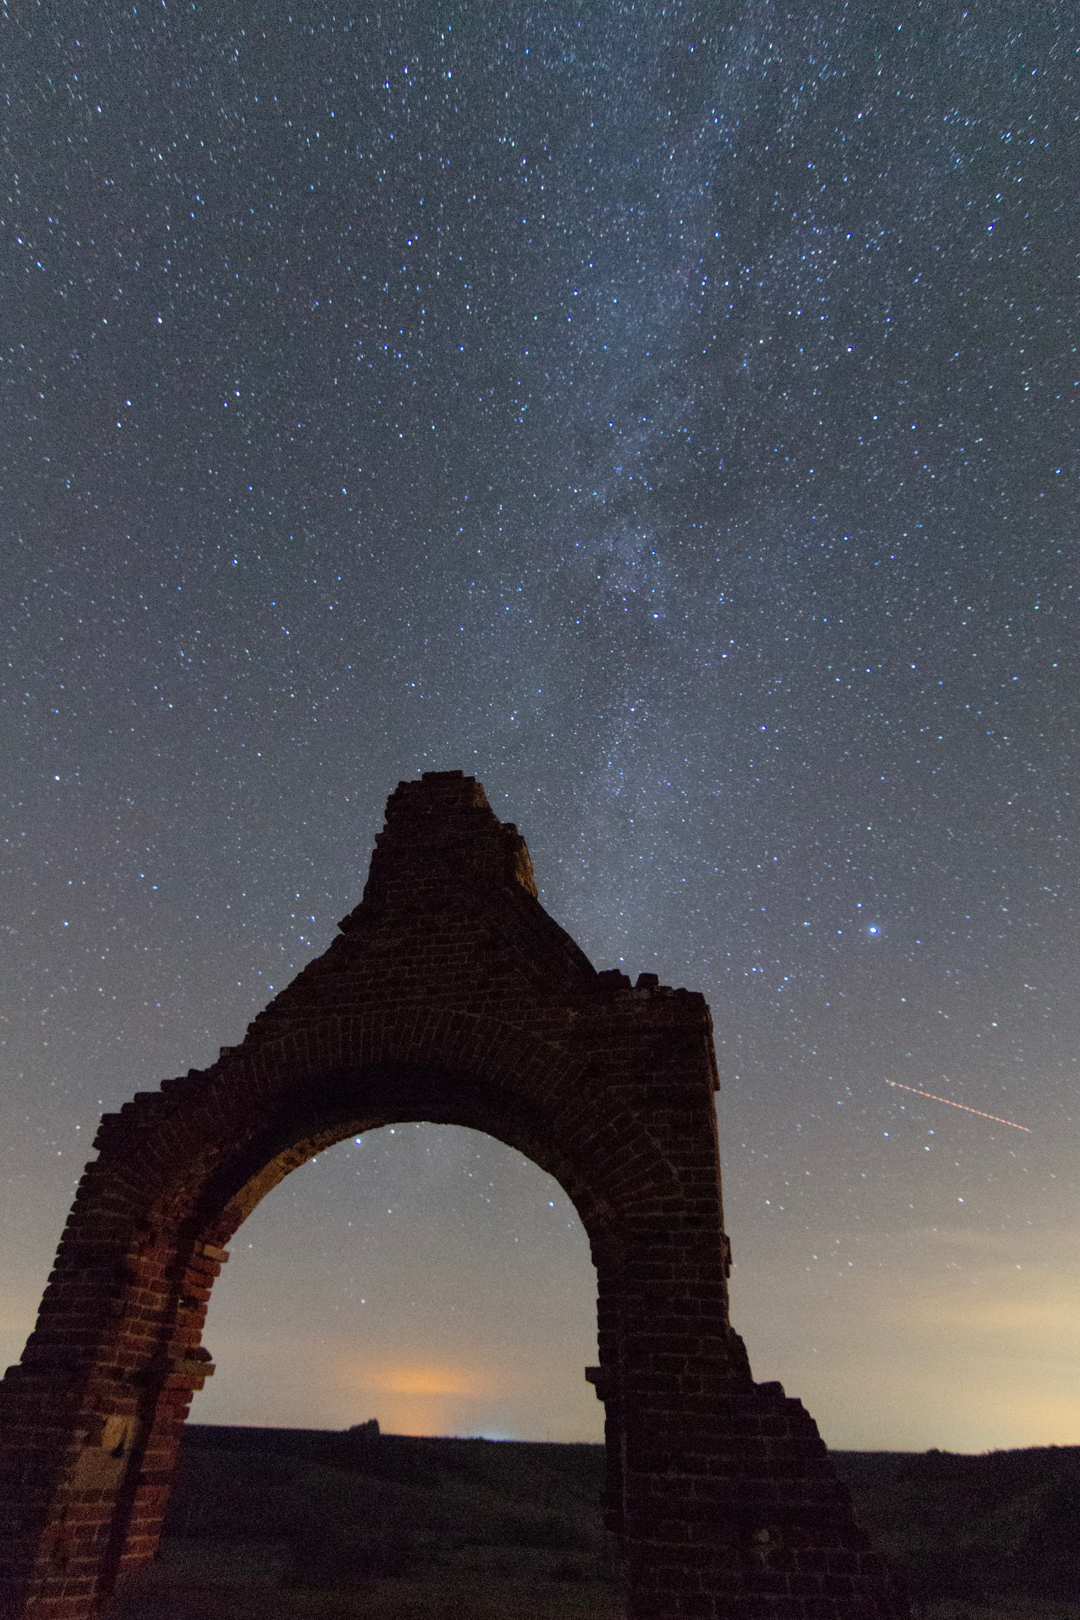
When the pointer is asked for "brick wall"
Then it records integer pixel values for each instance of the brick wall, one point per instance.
(448, 995)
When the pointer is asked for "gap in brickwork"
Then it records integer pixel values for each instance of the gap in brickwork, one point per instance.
(425, 1275)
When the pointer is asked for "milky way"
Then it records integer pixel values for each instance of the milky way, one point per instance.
(661, 413)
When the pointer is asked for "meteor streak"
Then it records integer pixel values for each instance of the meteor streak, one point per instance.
(935, 1098)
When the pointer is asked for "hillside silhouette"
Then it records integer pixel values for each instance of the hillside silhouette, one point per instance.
(269, 1523)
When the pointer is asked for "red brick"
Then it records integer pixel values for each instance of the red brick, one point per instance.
(449, 967)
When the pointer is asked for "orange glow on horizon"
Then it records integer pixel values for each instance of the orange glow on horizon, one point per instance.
(411, 1398)
(426, 1380)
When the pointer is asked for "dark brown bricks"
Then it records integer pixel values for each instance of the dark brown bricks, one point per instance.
(449, 995)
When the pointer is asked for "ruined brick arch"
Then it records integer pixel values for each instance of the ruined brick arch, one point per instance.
(451, 996)
(529, 1095)
(404, 1103)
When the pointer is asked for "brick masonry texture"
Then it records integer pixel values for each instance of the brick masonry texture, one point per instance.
(448, 995)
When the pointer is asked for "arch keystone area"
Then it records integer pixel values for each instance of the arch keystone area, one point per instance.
(449, 995)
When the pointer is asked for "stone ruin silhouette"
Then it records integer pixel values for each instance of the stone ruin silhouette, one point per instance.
(450, 996)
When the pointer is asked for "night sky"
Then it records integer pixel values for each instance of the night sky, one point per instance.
(662, 413)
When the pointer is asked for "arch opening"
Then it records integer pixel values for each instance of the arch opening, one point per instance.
(425, 1275)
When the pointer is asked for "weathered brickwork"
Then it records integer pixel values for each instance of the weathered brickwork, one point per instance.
(449, 995)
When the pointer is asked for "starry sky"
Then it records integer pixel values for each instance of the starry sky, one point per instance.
(660, 411)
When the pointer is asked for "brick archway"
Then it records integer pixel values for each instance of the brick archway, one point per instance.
(451, 996)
